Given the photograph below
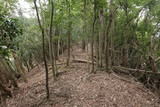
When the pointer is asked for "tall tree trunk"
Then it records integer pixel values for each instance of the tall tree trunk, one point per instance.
(125, 37)
(51, 44)
(97, 47)
(84, 26)
(44, 54)
(101, 35)
(69, 33)
(108, 38)
(59, 46)
(69, 46)
(92, 38)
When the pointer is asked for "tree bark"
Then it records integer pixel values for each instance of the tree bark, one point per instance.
(108, 39)
(69, 32)
(51, 44)
(84, 26)
(92, 38)
(43, 46)
(101, 15)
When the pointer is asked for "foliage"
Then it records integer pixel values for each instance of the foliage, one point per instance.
(10, 28)
(136, 25)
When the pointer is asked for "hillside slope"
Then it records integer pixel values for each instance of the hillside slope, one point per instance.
(76, 87)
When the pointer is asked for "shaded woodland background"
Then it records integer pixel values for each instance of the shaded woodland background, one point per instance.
(120, 36)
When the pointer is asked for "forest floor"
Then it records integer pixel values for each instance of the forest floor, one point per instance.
(77, 87)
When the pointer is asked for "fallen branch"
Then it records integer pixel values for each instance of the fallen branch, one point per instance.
(82, 61)
(148, 78)
(130, 70)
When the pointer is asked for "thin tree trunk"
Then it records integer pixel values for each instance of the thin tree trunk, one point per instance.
(69, 32)
(92, 38)
(84, 26)
(97, 47)
(69, 46)
(51, 45)
(44, 54)
(108, 39)
(58, 47)
(83, 44)
(125, 36)
(101, 37)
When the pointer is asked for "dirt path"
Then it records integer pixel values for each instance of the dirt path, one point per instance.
(76, 87)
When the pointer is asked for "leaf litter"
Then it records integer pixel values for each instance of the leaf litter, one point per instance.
(77, 87)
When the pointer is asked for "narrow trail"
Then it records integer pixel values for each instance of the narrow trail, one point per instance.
(76, 87)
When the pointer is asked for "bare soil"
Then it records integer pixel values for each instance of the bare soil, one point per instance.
(77, 87)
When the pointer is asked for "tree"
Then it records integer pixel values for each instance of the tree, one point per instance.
(44, 54)
(108, 46)
(68, 2)
(52, 58)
